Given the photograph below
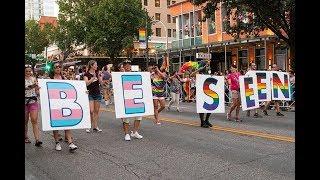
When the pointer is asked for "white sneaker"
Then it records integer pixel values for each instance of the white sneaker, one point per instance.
(88, 130)
(127, 137)
(72, 146)
(136, 135)
(58, 147)
(97, 130)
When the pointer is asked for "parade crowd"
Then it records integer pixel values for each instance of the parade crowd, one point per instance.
(175, 87)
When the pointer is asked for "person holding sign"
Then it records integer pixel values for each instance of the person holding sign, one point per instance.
(126, 67)
(31, 106)
(203, 122)
(158, 84)
(253, 67)
(93, 81)
(276, 102)
(233, 81)
(57, 74)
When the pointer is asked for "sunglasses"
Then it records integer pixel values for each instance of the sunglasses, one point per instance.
(57, 67)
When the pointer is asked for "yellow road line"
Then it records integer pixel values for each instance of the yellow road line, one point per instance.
(226, 129)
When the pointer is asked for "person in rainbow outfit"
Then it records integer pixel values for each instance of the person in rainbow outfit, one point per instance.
(158, 83)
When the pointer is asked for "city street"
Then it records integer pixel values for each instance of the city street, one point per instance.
(257, 148)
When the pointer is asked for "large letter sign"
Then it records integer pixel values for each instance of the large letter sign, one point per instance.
(210, 94)
(248, 92)
(264, 85)
(128, 81)
(64, 105)
(133, 95)
(280, 86)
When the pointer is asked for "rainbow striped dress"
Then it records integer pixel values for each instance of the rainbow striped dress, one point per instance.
(157, 85)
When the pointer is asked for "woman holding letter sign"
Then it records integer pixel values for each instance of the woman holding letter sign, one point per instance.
(93, 80)
(233, 81)
(31, 106)
(57, 74)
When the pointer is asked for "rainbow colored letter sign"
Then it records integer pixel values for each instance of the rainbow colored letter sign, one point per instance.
(133, 95)
(64, 104)
(280, 86)
(248, 92)
(210, 94)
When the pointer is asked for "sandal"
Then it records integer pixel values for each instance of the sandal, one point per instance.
(27, 140)
(238, 120)
(228, 117)
(38, 143)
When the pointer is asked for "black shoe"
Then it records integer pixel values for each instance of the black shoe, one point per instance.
(248, 113)
(205, 126)
(279, 114)
(208, 123)
(38, 143)
(265, 113)
(202, 123)
(256, 115)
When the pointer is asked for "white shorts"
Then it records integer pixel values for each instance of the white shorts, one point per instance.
(127, 120)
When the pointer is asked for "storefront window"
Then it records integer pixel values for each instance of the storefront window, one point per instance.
(198, 23)
(212, 24)
(260, 59)
(280, 57)
(186, 26)
(224, 16)
(243, 59)
(192, 25)
(180, 27)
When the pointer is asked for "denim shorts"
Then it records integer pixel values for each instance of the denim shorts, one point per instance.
(95, 97)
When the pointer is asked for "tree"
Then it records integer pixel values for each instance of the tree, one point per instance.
(105, 26)
(250, 17)
(70, 31)
(36, 39)
(115, 24)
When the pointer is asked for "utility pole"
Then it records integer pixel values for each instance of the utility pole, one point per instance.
(147, 48)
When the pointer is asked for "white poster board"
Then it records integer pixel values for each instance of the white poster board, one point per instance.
(64, 104)
(248, 92)
(132, 94)
(280, 83)
(210, 94)
(263, 84)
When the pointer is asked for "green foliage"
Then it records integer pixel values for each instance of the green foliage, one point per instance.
(250, 17)
(106, 26)
(35, 38)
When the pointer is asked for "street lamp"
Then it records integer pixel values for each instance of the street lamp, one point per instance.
(166, 30)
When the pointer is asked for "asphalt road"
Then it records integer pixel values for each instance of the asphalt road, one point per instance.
(177, 149)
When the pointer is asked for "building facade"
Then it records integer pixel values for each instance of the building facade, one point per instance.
(194, 35)
(158, 11)
(34, 9)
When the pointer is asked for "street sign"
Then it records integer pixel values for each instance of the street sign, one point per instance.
(203, 55)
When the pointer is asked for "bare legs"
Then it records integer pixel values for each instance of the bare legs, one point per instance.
(157, 110)
(94, 113)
